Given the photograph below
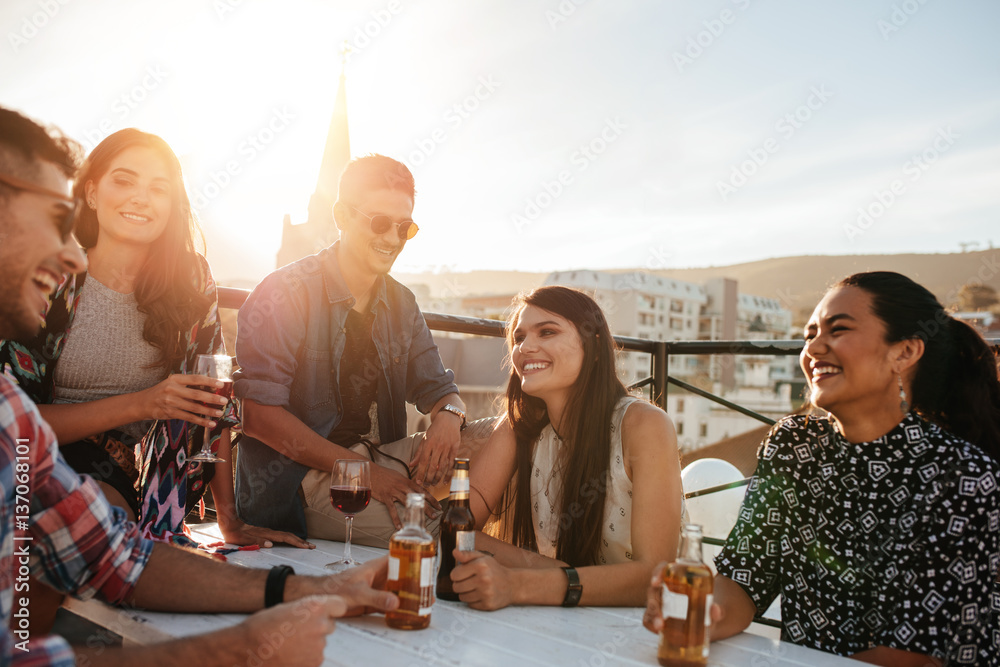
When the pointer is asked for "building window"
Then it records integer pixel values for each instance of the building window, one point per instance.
(680, 405)
(680, 428)
(703, 430)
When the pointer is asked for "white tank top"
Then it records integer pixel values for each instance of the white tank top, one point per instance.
(546, 494)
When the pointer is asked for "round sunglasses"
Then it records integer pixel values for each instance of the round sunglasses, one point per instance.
(71, 208)
(380, 224)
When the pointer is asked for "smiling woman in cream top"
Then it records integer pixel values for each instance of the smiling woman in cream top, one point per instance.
(578, 474)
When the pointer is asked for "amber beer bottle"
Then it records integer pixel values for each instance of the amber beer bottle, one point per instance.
(687, 604)
(411, 569)
(457, 529)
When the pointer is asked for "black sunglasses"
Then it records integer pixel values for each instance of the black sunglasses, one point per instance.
(73, 204)
(380, 224)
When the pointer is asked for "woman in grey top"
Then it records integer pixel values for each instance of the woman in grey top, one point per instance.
(108, 369)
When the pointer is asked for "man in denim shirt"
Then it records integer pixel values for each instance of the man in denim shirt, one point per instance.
(331, 348)
(59, 525)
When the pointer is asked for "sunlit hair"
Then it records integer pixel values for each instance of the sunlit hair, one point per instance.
(24, 145)
(585, 429)
(956, 383)
(373, 172)
(170, 287)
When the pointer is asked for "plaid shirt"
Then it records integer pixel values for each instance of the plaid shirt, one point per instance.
(78, 543)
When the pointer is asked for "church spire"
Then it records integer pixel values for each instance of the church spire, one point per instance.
(337, 152)
(319, 230)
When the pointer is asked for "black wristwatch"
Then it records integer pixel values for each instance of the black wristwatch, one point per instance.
(274, 587)
(455, 411)
(574, 589)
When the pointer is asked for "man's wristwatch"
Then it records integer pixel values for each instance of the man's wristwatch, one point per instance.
(455, 411)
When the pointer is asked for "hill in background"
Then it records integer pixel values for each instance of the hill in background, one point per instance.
(798, 282)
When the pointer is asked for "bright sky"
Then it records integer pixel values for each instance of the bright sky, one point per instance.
(551, 134)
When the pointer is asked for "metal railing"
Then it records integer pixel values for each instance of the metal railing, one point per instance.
(659, 351)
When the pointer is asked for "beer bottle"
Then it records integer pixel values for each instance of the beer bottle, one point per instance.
(687, 605)
(457, 529)
(411, 569)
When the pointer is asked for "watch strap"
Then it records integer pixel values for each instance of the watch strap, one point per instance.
(574, 589)
(274, 587)
(455, 411)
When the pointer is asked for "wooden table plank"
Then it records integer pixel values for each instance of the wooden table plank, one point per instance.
(458, 636)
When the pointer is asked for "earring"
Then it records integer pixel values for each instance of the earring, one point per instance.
(904, 404)
(91, 204)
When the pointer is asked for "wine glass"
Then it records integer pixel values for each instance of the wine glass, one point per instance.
(350, 492)
(220, 367)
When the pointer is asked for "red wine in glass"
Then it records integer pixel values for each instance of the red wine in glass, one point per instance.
(226, 390)
(220, 367)
(350, 500)
(350, 492)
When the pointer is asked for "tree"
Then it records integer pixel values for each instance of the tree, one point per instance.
(975, 296)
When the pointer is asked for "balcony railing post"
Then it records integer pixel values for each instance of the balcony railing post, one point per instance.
(660, 362)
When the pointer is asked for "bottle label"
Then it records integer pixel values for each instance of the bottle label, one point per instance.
(427, 571)
(460, 486)
(427, 581)
(675, 605)
(393, 569)
(708, 610)
(465, 540)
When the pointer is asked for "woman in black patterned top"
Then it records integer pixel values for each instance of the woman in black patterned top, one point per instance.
(879, 524)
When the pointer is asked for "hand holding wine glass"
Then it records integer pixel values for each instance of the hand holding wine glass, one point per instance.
(220, 367)
(350, 493)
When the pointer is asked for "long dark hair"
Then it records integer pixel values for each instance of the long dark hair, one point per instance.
(585, 430)
(956, 383)
(170, 287)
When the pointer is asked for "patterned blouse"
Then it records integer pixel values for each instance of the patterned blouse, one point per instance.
(546, 492)
(893, 542)
(169, 485)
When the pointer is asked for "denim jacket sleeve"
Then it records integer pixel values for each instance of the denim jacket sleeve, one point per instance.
(271, 326)
(427, 380)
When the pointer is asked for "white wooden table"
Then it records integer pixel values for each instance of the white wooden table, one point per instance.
(585, 636)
